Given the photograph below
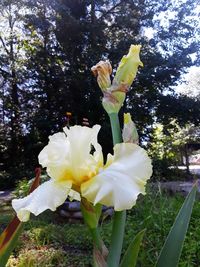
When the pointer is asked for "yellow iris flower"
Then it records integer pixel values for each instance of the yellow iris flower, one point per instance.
(74, 161)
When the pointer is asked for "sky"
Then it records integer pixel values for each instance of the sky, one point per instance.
(189, 83)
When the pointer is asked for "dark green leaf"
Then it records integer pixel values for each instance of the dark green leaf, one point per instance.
(10, 235)
(130, 257)
(171, 251)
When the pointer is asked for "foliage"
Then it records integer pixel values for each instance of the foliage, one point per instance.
(163, 172)
(172, 248)
(42, 257)
(5, 179)
(167, 141)
(48, 50)
(130, 256)
(167, 148)
(155, 212)
(23, 186)
(9, 236)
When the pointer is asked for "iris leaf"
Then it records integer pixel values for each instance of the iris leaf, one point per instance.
(172, 248)
(130, 257)
(9, 237)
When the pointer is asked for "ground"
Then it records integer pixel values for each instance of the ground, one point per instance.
(48, 240)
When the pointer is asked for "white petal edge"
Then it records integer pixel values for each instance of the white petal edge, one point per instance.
(49, 195)
(120, 184)
(55, 151)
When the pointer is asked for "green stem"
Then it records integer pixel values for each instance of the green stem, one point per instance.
(119, 219)
(116, 130)
(99, 250)
(117, 237)
(96, 237)
(91, 215)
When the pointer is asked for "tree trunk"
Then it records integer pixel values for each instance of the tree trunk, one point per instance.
(187, 160)
(15, 109)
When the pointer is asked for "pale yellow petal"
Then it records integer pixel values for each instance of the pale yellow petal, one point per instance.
(128, 66)
(85, 155)
(49, 195)
(74, 155)
(56, 151)
(120, 184)
(109, 160)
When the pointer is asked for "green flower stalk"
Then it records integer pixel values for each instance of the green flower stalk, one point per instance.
(113, 98)
(114, 93)
(91, 215)
(119, 219)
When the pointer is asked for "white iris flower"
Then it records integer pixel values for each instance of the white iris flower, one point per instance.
(74, 161)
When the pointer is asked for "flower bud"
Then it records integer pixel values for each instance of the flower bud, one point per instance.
(129, 133)
(114, 94)
(102, 71)
(114, 98)
(128, 66)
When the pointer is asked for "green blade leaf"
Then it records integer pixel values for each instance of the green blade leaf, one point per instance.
(9, 237)
(172, 248)
(130, 257)
(8, 240)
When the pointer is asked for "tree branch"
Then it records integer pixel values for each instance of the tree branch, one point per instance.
(4, 72)
(110, 10)
(4, 45)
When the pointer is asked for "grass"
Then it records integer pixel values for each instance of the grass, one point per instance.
(49, 241)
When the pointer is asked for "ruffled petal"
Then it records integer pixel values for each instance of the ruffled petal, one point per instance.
(85, 156)
(73, 155)
(49, 195)
(56, 152)
(80, 139)
(120, 183)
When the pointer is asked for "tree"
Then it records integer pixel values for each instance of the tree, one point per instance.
(190, 85)
(169, 144)
(11, 71)
(55, 43)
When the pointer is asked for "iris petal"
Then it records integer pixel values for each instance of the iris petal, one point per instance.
(81, 162)
(49, 195)
(69, 161)
(120, 183)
